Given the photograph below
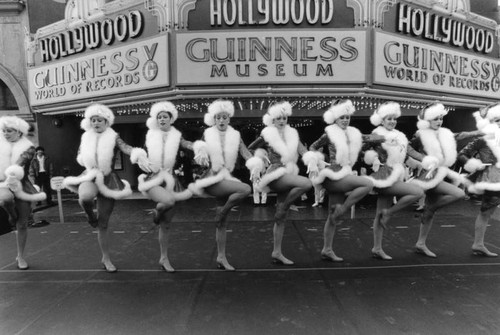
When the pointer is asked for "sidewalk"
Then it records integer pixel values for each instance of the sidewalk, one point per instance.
(65, 291)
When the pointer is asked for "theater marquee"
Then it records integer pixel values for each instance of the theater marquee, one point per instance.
(402, 62)
(132, 67)
(271, 57)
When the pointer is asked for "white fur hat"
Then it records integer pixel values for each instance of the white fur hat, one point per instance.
(385, 109)
(487, 114)
(97, 110)
(217, 107)
(157, 108)
(337, 109)
(14, 122)
(276, 110)
(430, 112)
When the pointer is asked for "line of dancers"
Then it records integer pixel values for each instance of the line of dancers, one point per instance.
(272, 162)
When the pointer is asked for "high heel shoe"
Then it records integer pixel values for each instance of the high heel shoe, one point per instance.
(281, 260)
(483, 252)
(423, 250)
(224, 266)
(331, 257)
(380, 254)
(109, 267)
(21, 264)
(166, 267)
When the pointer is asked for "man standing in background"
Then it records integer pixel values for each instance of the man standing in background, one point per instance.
(41, 171)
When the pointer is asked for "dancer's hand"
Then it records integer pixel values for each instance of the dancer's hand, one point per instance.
(430, 173)
(144, 164)
(202, 159)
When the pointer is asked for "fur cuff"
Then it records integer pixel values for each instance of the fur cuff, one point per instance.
(136, 154)
(370, 157)
(261, 153)
(200, 152)
(473, 165)
(255, 164)
(430, 162)
(15, 171)
(313, 157)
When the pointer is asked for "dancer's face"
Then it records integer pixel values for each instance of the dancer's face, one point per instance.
(98, 123)
(389, 122)
(164, 121)
(222, 121)
(11, 134)
(436, 123)
(343, 121)
(281, 121)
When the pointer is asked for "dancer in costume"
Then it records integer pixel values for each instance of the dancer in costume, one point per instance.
(485, 172)
(283, 146)
(163, 143)
(17, 191)
(387, 161)
(96, 154)
(344, 188)
(222, 143)
(436, 148)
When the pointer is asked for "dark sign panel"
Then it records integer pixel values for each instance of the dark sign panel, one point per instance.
(270, 14)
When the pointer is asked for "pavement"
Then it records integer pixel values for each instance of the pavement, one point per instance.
(65, 290)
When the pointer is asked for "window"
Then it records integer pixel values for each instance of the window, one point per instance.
(7, 101)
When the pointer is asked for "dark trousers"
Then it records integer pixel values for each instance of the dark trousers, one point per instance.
(43, 181)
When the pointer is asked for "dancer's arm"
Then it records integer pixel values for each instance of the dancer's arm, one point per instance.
(413, 149)
(319, 143)
(466, 156)
(258, 143)
(25, 160)
(137, 155)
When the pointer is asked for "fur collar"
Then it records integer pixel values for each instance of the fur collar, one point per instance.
(11, 152)
(395, 145)
(98, 147)
(347, 144)
(222, 155)
(287, 148)
(441, 144)
(162, 153)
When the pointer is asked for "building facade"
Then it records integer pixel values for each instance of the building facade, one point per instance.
(129, 54)
(13, 72)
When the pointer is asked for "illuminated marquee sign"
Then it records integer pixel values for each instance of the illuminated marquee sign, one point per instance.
(405, 63)
(278, 12)
(132, 67)
(299, 56)
(91, 36)
(443, 29)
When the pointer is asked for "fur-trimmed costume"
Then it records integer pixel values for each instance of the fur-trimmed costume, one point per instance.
(96, 155)
(391, 154)
(343, 147)
(222, 157)
(484, 150)
(439, 149)
(15, 158)
(283, 153)
(162, 150)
